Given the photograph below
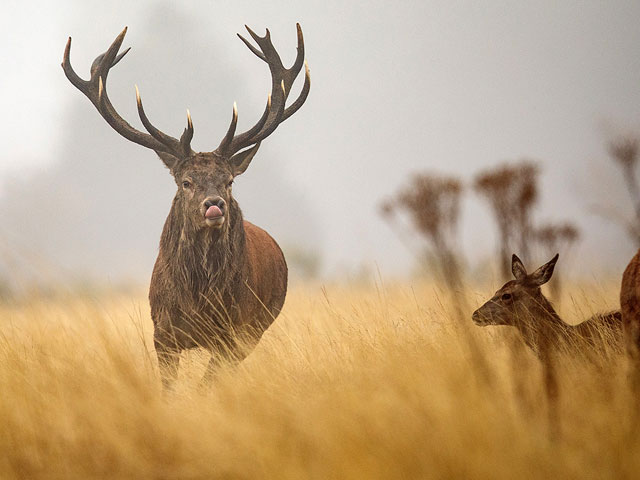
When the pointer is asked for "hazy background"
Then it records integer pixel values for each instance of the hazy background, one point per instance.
(397, 87)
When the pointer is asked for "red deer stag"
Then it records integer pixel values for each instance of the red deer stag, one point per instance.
(521, 304)
(217, 276)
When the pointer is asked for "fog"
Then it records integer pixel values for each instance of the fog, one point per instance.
(397, 88)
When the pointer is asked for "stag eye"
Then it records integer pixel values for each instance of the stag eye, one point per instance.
(230, 183)
(186, 184)
(506, 296)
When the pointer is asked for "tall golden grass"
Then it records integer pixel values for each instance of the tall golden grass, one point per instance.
(350, 382)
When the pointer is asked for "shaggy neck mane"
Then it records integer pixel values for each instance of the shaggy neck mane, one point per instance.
(204, 261)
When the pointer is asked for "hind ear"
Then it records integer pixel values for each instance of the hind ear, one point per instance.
(517, 268)
(240, 161)
(543, 274)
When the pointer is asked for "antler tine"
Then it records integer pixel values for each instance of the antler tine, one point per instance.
(155, 133)
(282, 81)
(272, 58)
(103, 63)
(295, 106)
(187, 136)
(96, 63)
(257, 52)
(273, 124)
(299, 61)
(241, 141)
(95, 89)
(226, 141)
(120, 56)
(185, 139)
(68, 69)
(269, 53)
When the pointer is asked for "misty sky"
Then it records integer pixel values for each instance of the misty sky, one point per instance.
(397, 88)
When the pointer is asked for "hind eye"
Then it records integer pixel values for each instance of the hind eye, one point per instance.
(506, 296)
(186, 184)
(230, 183)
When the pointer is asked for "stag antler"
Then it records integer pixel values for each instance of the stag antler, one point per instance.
(96, 90)
(282, 80)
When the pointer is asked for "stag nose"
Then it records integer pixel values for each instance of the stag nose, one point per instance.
(214, 202)
(214, 207)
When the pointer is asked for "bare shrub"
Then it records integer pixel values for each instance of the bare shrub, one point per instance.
(624, 152)
(554, 238)
(432, 205)
(512, 192)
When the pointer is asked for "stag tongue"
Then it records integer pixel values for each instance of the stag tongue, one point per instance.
(213, 212)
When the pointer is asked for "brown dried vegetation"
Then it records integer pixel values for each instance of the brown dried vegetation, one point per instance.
(512, 192)
(555, 238)
(624, 151)
(351, 382)
(432, 205)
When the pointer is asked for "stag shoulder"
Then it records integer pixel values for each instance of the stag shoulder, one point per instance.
(267, 270)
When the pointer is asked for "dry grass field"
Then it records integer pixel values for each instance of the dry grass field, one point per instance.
(364, 382)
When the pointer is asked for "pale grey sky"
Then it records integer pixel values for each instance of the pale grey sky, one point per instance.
(397, 87)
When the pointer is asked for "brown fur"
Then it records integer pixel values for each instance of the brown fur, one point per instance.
(212, 286)
(630, 307)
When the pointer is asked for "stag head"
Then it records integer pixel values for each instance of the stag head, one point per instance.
(204, 179)
(518, 298)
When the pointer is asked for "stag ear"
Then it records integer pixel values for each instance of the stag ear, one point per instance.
(543, 274)
(517, 268)
(169, 160)
(240, 161)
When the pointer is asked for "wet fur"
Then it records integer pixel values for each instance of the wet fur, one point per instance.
(208, 286)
